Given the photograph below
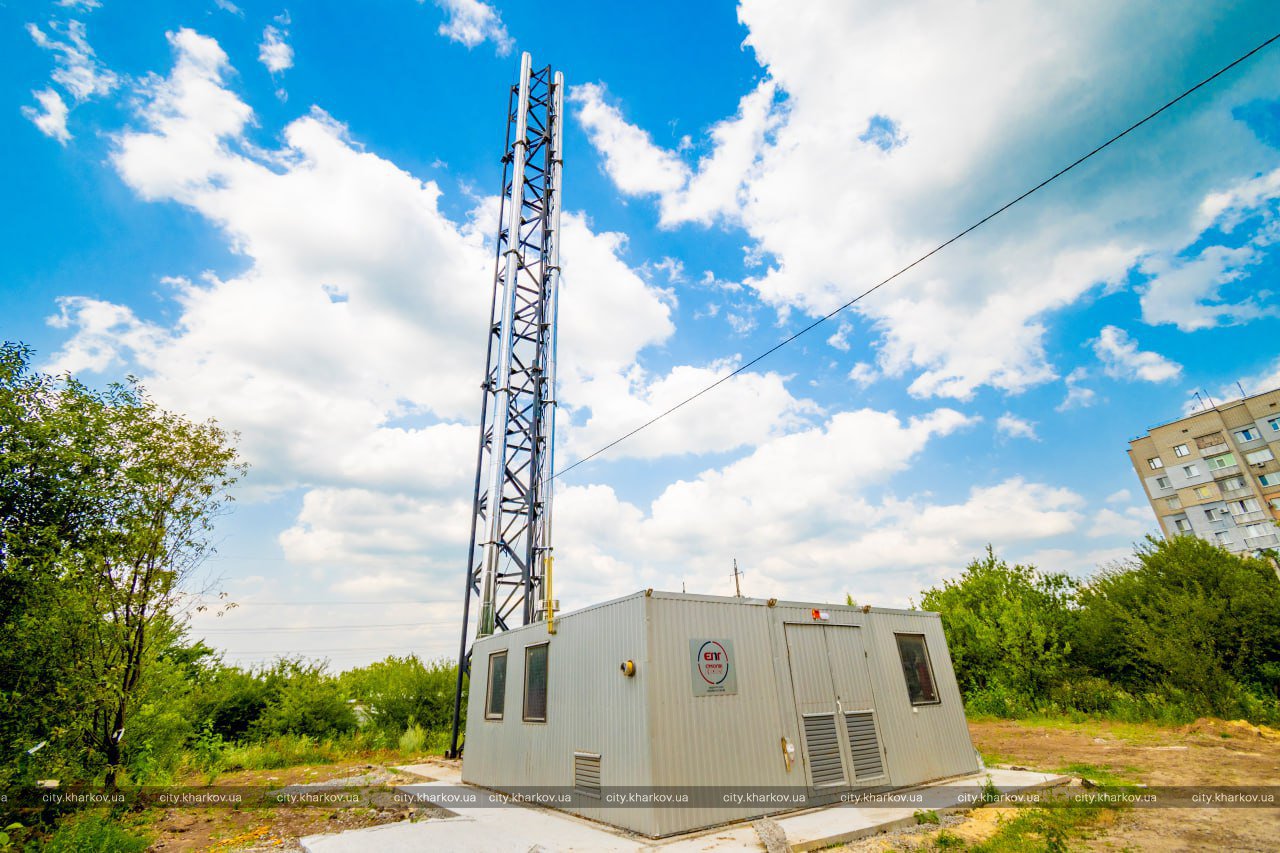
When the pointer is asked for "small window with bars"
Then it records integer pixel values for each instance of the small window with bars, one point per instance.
(917, 669)
(535, 683)
(495, 700)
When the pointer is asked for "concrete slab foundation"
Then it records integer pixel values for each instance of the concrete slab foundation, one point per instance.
(522, 829)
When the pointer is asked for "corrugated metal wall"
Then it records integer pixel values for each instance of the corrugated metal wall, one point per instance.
(656, 730)
(591, 708)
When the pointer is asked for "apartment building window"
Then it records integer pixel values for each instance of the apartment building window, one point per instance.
(1275, 424)
(1222, 537)
(1155, 464)
(1246, 505)
(1275, 503)
(1191, 470)
(1269, 479)
(1258, 530)
(1257, 457)
(1217, 463)
(1208, 513)
(1181, 450)
(1174, 502)
(1248, 434)
(1163, 482)
(1205, 492)
(1182, 525)
(1234, 484)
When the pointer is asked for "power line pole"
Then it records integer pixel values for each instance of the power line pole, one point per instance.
(736, 575)
(509, 556)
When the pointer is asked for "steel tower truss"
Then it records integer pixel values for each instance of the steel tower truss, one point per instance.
(509, 559)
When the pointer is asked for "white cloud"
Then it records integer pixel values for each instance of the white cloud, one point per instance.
(639, 167)
(1119, 497)
(1012, 426)
(77, 68)
(1122, 359)
(274, 52)
(1134, 522)
(831, 179)
(1078, 396)
(471, 22)
(51, 117)
(81, 5)
(863, 374)
(1188, 291)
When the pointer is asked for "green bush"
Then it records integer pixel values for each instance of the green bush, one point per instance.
(1184, 630)
(93, 833)
(397, 693)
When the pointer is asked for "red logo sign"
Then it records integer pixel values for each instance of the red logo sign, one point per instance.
(713, 663)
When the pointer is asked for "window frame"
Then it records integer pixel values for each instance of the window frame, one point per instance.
(546, 676)
(1221, 461)
(1155, 463)
(1167, 484)
(1261, 450)
(1190, 470)
(928, 662)
(1178, 525)
(1248, 434)
(1181, 450)
(488, 686)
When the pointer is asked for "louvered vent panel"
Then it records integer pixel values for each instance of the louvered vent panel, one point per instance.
(586, 773)
(823, 749)
(864, 743)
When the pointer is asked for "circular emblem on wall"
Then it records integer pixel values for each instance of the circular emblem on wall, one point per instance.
(713, 662)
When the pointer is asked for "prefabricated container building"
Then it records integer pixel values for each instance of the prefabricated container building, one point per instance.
(669, 691)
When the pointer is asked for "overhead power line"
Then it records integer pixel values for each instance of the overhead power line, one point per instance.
(291, 628)
(984, 220)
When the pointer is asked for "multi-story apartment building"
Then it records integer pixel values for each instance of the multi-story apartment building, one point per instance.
(1216, 473)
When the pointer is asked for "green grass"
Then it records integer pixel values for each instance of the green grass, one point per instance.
(1103, 774)
(1041, 830)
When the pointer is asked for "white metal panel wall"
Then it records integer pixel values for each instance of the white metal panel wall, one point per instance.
(591, 707)
(923, 742)
(731, 740)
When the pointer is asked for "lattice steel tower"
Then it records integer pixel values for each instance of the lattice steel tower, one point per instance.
(509, 561)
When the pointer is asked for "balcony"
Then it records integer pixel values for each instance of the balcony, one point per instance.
(1223, 472)
(1239, 490)
(1242, 518)
(1267, 540)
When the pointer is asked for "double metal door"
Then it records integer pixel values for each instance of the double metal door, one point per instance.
(832, 688)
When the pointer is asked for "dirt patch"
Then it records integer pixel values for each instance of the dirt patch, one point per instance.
(253, 830)
(1208, 752)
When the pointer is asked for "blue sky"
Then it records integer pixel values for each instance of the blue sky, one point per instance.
(280, 216)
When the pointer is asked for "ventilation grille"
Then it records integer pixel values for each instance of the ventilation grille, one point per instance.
(864, 744)
(586, 773)
(823, 749)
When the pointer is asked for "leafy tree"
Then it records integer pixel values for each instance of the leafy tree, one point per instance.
(1188, 616)
(1008, 627)
(399, 692)
(106, 506)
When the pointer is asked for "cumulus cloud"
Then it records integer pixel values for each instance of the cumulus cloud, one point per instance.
(1122, 359)
(829, 180)
(1078, 396)
(274, 52)
(1010, 425)
(639, 167)
(50, 116)
(471, 22)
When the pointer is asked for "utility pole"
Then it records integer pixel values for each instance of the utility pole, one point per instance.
(736, 575)
(509, 558)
